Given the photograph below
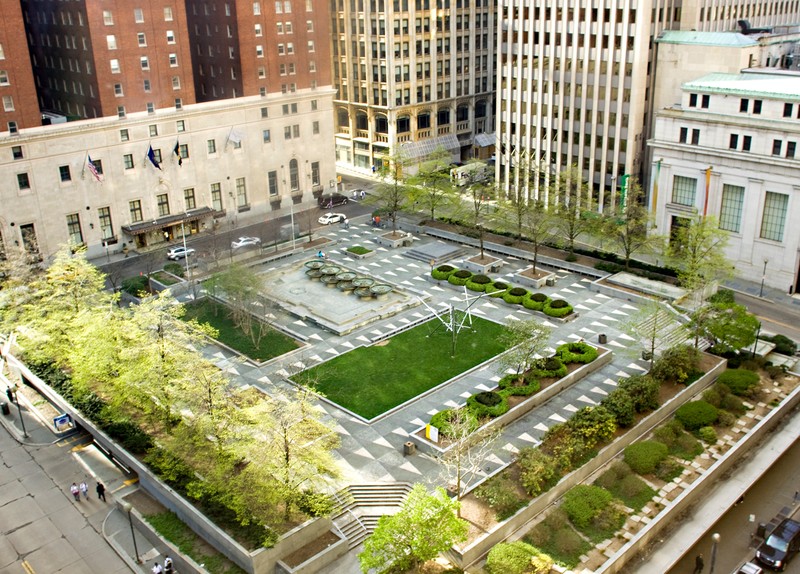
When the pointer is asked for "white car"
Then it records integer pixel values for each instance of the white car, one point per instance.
(329, 218)
(245, 242)
(179, 252)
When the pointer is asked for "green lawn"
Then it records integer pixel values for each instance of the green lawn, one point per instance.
(272, 344)
(371, 380)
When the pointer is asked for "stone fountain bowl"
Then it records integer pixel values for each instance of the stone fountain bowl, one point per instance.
(315, 264)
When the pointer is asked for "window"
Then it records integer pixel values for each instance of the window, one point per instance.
(684, 137)
(289, 108)
(309, 25)
(746, 141)
(138, 15)
(114, 66)
(241, 192)
(64, 173)
(787, 110)
(153, 130)
(168, 14)
(315, 128)
(706, 101)
(291, 68)
(311, 45)
(108, 18)
(170, 37)
(774, 219)
(282, 70)
(791, 147)
(176, 83)
(695, 137)
(262, 72)
(127, 160)
(145, 63)
(280, 28)
(183, 151)
(757, 106)
(256, 8)
(777, 146)
(135, 208)
(4, 78)
(692, 100)
(684, 190)
(260, 51)
(157, 155)
(290, 48)
(111, 40)
(288, 27)
(106, 229)
(181, 125)
(74, 229)
(22, 181)
(744, 105)
(272, 180)
(212, 146)
(188, 198)
(216, 196)
(259, 31)
(278, 7)
(287, 132)
(734, 141)
(315, 173)
(8, 103)
(281, 49)
(264, 112)
(294, 175)
(142, 39)
(98, 165)
(12, 127)
(162, 200)
(287, 7)
(16, 152)
(730, 213)
(265, 135)
(118, 90)
(147, 86)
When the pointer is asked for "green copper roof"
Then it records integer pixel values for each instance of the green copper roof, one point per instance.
(733, 39)
(776, 86)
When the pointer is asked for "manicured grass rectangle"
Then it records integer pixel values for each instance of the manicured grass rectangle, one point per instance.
(272, 344)
(371, 380)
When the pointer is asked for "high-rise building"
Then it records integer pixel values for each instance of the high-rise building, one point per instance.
(575, 83)
(17, 89)
(411, 76)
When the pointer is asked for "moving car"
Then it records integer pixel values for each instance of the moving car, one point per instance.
(329, 218)
(749, 568)
(331, 200)
(179, 252)
(245, 242)
(780, 546)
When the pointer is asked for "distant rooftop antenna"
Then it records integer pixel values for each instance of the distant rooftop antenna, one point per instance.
(454, 320)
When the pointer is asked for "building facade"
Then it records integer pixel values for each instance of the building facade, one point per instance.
(730, 149)
(575, 83)
(143, 180)
(17, 88)
(411, 76)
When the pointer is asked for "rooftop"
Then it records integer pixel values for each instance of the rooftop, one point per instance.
(731, 39)
(767, 85)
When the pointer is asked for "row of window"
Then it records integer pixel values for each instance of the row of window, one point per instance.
(141, 39)
(146, 85)
(138, 16)
(703, 101)
(742, 143)
(282, 7)
(144, 62)
(773, 219)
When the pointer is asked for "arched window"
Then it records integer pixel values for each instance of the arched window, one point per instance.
(343, 119)
(381, 125)
(362, 123)
(423, 121)
(403, 124)
(443, 117)
(294, 175)
(462, 113)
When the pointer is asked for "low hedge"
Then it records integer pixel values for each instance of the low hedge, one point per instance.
(739, 381)
(478, 283)
(515, 295)
(550, 367)
(577, 352)
(510, 386)
(443, 419)
(534, 304)
(479, 405)
(557, 308)
(442, 272)
(459, 277)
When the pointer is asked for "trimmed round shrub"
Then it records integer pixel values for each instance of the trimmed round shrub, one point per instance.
(443, 420)
(708, 435)
(739, 381)
(584, 502)
(557, 308)
(696, 414)
(514, 295)
(620, 404)
(488, 404)
(510, 385)
(459, 277)
(533, 304)
(550, 367)
(442, 272)
(497, 289)
(577, 352)
(539, 297)
(643, 391)
(644, 457)
(478, 283)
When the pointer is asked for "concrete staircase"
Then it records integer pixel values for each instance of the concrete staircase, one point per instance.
(670, 330)
(454, 252)
(362, 505)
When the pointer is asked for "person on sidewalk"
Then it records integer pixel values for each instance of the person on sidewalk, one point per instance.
(84, 489)
(101, 491)
(698, 564)
(157, 569)
(76, 492)
(168, 567)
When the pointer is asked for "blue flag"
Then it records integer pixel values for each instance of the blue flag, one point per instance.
(151, 155)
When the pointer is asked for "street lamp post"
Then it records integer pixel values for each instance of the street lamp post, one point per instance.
(763, 277)
(714, 542)
(127, 507)
(291, 213)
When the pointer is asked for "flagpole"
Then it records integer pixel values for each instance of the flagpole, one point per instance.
(85, 160)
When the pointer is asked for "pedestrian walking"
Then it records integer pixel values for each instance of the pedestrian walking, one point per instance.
(346, 223)
(157, 569)
(363, 194)
(76, 492)
(168, 567)
(698, 564)
(101, 491)
(84, 489)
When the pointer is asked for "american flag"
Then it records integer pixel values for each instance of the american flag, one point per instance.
(92, 168)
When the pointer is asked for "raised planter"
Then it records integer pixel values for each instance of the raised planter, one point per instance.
(483, 265)
(543, 278)
(394, 240)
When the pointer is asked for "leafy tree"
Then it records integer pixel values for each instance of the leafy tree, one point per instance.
(652, 326)
(479, 192)
(697, 250)
(425, 526)
(540, 224)
(730, 327)
(526, 341)
(393, 192)
(241, 285)
(628, 230)
(573, 205)
(432, 185)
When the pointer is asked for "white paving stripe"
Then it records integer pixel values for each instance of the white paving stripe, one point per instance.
(571, 408)
(410, 468)
(557, 417)
(599, 391)
(363, 452)
(585, 399)
(541, 427)
(527, 438)
(508, 447)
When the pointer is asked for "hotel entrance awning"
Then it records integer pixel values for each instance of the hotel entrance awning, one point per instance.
(168, 220)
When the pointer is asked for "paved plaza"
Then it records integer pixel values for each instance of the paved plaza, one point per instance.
(373, 452)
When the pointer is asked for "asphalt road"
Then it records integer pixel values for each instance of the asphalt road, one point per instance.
(774, 317)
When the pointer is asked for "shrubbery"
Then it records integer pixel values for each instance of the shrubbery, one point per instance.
(533, 304)
(500, 493)
(175, 268)
(678, 441)
(537, 471)
(442, 272)
(620, 404)
(478, 283)
(584, 503)
(677, 364)
(557, 308)
(720, 396)
(459, 277)
(696, 414)
(488, 404)
(517, 558)
(621, 481)
(644, 456)
(550, 367)
(783, 344)
(708, 435)
(510, 386)
(135, 285)
(514, 295)
(643, 391)
(577, 352)
(739, 381)
(443, 419)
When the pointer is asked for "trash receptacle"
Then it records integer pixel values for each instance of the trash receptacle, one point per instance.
(4, 409)
(602, 338)
(550, 281)
(409, 448)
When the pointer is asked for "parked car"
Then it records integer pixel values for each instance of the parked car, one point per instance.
(245, 242)
(749, 568)
(179, 252)
(329, 218)
(780, 546)
(331, 200)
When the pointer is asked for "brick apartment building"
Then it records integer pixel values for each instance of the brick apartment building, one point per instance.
(17, 88)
